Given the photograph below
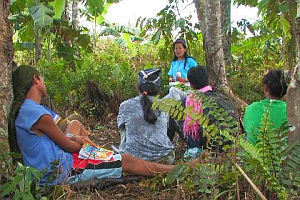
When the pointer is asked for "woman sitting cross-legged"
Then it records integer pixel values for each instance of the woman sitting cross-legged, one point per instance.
(144, 131)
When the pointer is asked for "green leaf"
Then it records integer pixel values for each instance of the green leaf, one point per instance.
(42, 15)
(127, 37)
(286, 27)
(95, 7)
(17, 6)
(26, 33)
(156, 37)
(284, 7)
(6, 189)
(175, 174)
(59, 7)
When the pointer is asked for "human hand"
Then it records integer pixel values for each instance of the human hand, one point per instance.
(83, 140)
(180, 79)
(171, 79)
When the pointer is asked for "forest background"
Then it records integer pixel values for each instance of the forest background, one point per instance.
(93, 70)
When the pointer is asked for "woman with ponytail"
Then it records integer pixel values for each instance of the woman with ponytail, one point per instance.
(144, 131)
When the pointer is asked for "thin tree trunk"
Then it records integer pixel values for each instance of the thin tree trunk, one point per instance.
(38, 45)
(290, 45)
(213, 44)
(75, 14)
(226, 30)
(6, 56)
(209, 16)
(68, 10)
(293, 93)
(200, 8)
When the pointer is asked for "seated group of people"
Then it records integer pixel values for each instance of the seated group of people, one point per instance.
(146, 135)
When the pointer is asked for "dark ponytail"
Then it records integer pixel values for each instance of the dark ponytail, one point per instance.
(148, 89)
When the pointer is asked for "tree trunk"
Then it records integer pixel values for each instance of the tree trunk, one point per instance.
(6, 56)
(293, 93)
(226, 30)
(213, 44)
(209, 16)
(67, 11)
(200, 8)
(75, 14)
(38, 45)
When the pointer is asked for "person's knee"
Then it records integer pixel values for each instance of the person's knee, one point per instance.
(75, 123)
(74, 127)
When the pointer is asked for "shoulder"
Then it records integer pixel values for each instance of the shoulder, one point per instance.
(31, 107)
(30, 112)
(128, 104)
(254, 108)
(253, 105)
(191, 59)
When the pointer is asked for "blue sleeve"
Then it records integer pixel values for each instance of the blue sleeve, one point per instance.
(29, 115)
(55, 116)
(170, 73)
(191, 62)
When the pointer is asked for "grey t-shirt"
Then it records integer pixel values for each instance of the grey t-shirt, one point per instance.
(140, 138)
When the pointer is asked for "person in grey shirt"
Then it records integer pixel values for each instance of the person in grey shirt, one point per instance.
(144, 131)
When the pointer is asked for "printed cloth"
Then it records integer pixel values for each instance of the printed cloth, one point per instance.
(140, 138)
(88, 169)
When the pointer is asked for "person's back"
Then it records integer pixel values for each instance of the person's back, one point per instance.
(191, 131)
(275, 88)
(144, 137)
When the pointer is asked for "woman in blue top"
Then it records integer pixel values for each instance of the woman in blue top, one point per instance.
(181, 62)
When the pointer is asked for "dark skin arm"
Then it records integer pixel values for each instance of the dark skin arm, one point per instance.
(47, 126)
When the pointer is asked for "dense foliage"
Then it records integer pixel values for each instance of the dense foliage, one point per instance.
(92, 71)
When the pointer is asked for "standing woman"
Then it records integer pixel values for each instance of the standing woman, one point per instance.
(144, 131)
(181, 62)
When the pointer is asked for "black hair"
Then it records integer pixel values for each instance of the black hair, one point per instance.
(181, 41)
(198, 76)
(22, 78)
(276, 83)
(152, 90)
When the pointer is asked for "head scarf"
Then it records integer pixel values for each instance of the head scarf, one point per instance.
(21, 79)
(150, 76)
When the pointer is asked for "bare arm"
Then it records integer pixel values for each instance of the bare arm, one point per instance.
(46, 125)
